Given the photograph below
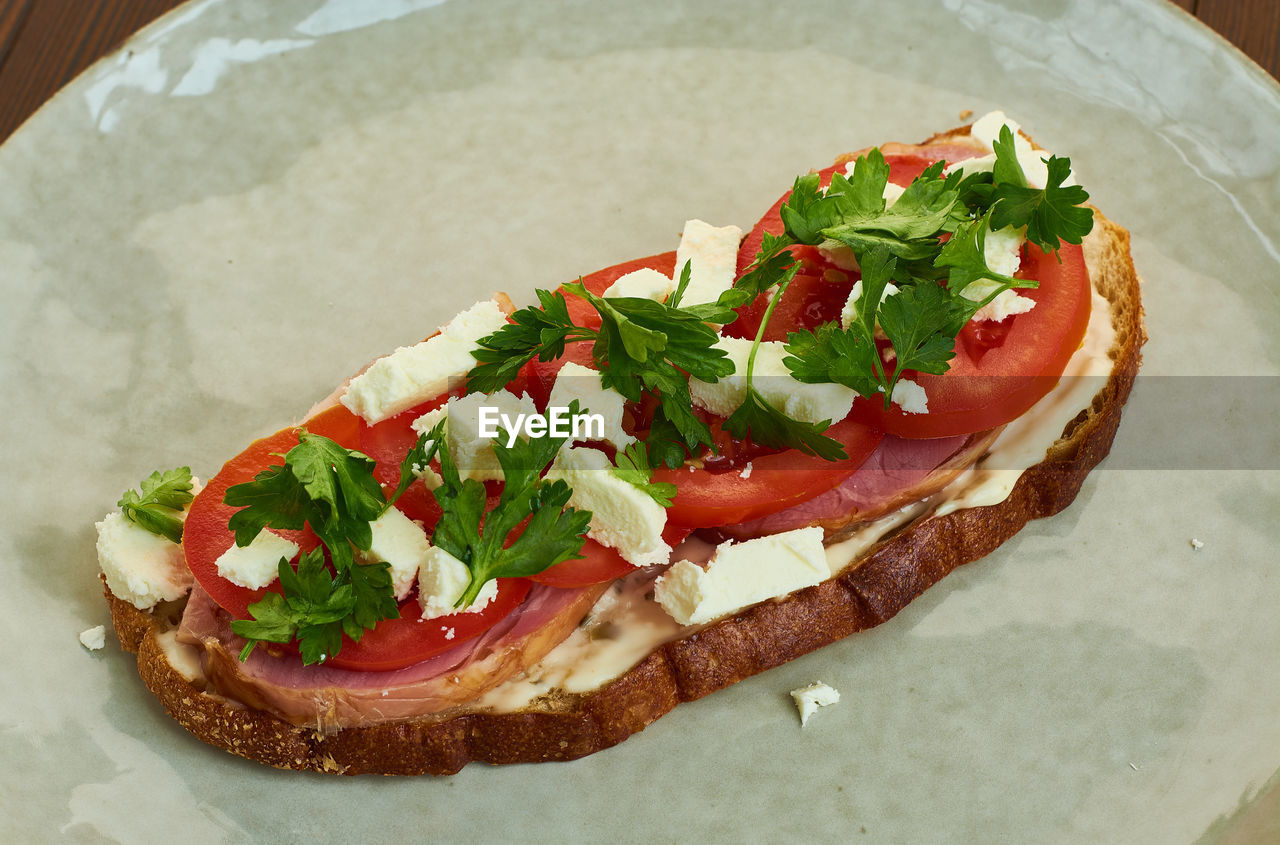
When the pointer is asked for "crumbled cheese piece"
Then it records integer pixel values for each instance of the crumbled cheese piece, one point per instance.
(623, 517)
(970, 166)
(257, 564)
(850, 311)
(575, 381)
(986, 129)
(1197, 545)
(713, 253)
(809, 699)
(645, 283)
(746, 471)
(813, 403)
(841, 255)
(442, 579)
(141, 568)
(1006, 304)
(742, 574)
(94, 638)
(1002, 250)
(472, 453)
(413, 374)
(910, 397)
(400, 542)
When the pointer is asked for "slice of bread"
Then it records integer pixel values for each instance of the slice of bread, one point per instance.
(565, 726)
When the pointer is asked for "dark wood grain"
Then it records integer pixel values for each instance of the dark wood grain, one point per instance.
(45, 43)
(1252, 25)
(57, 39)
(12, 16)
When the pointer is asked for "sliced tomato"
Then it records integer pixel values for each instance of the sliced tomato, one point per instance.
(205, 536)
(1001, 370)
(775, 482)
(597, 564)
(394, 643)
(814, 297)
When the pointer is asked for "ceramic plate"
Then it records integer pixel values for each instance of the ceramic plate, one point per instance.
(212, 227)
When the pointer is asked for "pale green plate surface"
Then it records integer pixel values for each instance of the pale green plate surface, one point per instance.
(210, 229)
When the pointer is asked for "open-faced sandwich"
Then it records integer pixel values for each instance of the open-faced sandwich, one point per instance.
(530, 535)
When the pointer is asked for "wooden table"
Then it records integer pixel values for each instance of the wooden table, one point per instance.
(45, 43)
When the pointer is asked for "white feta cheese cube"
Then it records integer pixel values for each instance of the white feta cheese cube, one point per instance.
(910, 397)
(970, 166)
(623, 517)
(742, 574)
(809, 699)
(142, 568)
(257, 564)
(713, 254)
(811, 403)
(413, 374)
(1002, 250)
(575, 381)
(442, 579)
(400, 542)
(471, 451)
(849, 312)
(645, 283)
(986, 129)
(94, 638)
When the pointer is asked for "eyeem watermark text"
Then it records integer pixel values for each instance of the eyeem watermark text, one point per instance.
(558, 422)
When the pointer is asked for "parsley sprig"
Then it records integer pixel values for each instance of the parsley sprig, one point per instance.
(632, 466)
(159, 506)
(765, 424)
(332, 489)
(484, 541)
(934, 233)
(642, 347)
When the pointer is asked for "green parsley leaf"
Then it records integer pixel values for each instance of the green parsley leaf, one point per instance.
(919, 322)
(483, 541)
(964, 256)
(765, 424)
(332, 489)
(632, 466)
(415, 461)
(540, 332)
(768, 426)
(159, 507)
(1052, 214)
(311, 609)
(273, 499)
(340, 485)
(847, 356)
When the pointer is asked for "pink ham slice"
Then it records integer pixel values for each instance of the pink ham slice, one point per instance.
(899, 471)
(330, 699)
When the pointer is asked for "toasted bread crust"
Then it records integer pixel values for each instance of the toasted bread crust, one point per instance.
(569, 726)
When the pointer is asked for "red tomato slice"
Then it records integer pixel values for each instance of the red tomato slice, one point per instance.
(989, 385)
(812, 298)
(205, 536)
(777, 481)
(394, 643)
(599, 563)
